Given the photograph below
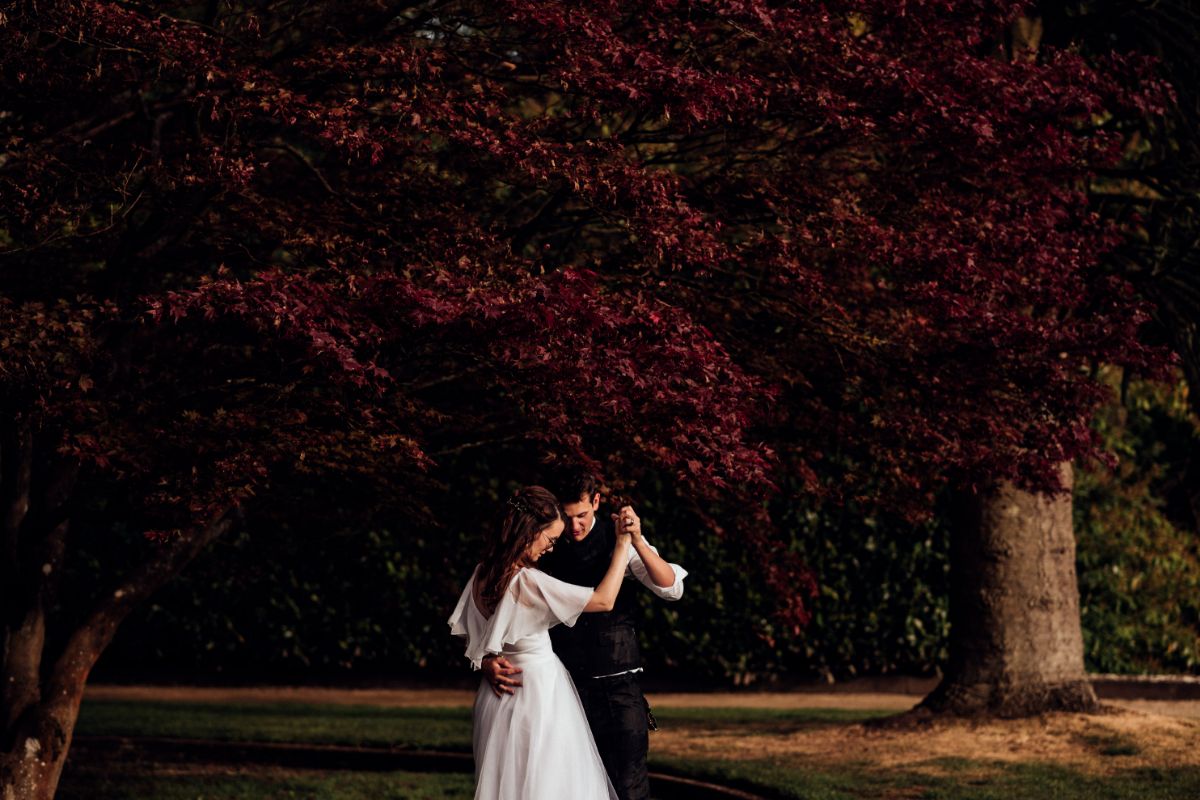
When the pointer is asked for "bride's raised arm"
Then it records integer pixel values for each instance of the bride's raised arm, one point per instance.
(605, 595)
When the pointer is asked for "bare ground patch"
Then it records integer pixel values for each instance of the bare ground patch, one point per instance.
(1094, 744)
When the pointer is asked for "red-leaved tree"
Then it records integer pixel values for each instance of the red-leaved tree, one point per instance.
(246, 243)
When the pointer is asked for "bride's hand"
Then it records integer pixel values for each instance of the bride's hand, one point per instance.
(623, 528)
(623, 541)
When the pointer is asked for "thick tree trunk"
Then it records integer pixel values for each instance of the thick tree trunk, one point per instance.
(1016, 646)
(32, 764)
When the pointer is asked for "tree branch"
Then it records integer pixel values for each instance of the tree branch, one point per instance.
(17, 481)
(88, 641)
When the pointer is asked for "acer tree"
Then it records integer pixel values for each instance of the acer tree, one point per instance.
(250, 245)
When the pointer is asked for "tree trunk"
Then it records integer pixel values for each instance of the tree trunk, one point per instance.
(1016, 646)
(41, 706)
(34, 758)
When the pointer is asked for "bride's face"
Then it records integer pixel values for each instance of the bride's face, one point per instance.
(545, 540)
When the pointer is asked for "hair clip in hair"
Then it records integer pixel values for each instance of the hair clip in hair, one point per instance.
(515, 502)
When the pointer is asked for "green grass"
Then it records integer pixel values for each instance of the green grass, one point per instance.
(424, 727)
(450, 729)
(107, 785)
(431, 728)
(1111, 744)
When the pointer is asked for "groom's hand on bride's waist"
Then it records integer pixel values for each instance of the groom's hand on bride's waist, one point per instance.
(499, 674)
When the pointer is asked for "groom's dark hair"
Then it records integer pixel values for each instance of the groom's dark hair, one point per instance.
(574, 482)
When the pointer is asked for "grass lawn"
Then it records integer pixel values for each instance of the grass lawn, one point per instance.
(265, 784)
(422, 727)
(775, 770)
(370, 726)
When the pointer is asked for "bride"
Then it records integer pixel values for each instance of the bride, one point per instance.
(536, 744)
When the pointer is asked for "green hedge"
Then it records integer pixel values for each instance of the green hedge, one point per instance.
(288, 602)
(1138, 552)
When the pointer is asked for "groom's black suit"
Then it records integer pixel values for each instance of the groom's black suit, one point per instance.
(599, 651)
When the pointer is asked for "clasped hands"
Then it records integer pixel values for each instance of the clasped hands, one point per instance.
(627, 521)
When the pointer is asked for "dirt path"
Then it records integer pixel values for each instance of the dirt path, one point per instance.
(399, 698)
(391, 698)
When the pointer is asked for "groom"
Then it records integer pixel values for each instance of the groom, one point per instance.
(601, 650)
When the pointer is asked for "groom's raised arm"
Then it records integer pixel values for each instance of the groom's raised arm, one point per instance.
(652, 570)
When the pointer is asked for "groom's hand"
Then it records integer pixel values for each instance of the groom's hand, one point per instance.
(627, 521)
(498, 672)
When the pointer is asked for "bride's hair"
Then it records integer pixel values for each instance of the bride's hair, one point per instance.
(520, 519)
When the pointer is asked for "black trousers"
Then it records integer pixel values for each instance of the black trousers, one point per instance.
(616, 712)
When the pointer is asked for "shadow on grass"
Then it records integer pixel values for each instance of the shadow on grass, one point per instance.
(107, 784)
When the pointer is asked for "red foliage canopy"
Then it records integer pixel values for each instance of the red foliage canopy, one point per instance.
(729, 239)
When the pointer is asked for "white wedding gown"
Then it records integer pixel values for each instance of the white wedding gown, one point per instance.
(534, 744)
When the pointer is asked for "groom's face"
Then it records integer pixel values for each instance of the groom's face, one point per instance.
(581, 514)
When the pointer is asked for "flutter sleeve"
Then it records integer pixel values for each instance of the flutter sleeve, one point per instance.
(534, 602)
(459, 624)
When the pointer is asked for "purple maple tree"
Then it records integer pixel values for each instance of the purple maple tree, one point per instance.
(247, 243)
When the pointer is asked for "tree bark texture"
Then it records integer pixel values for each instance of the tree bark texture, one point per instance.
(1016, 645)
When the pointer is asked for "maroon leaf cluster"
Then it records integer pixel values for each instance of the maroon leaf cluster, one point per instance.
(841, 242)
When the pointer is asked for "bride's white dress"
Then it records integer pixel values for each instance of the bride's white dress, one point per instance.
(534, 744)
